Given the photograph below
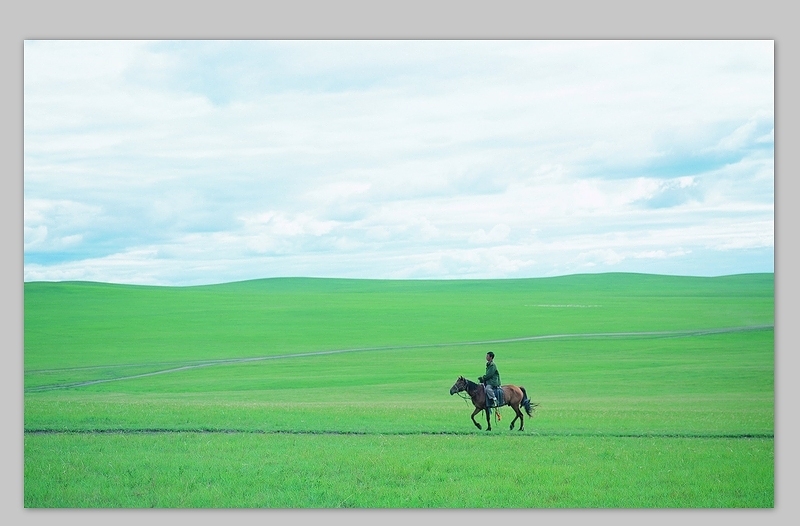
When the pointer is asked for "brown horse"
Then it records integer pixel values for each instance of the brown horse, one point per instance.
(513, 396)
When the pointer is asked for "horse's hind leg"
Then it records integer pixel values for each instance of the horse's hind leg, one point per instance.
(516, 416)
(521, 418)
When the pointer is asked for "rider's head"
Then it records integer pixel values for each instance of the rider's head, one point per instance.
(489, 356)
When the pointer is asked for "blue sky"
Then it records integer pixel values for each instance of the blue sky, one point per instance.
(193, 162)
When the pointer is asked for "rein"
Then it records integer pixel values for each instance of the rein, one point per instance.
(469, 388)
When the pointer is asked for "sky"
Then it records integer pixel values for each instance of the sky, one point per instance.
(197, 162)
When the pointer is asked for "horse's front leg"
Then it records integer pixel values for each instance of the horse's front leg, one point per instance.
(473, 418)
(488, 420)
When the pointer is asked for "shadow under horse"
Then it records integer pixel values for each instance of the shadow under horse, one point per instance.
(513, 397)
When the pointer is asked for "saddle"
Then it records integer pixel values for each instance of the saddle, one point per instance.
(498, 393)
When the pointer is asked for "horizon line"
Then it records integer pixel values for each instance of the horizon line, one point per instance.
(440, 279)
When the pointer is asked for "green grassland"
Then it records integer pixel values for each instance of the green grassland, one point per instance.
(654, 391)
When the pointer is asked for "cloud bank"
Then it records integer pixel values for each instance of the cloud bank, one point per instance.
(191, 162)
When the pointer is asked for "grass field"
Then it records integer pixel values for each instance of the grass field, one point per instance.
(654, 392)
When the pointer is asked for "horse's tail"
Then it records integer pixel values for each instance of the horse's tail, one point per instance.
(526, 403)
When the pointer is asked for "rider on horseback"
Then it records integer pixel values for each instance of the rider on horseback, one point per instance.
(490, 380)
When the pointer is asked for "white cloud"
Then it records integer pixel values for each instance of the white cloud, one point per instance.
(35, 236)
(660, 254)
(52, 225)
(497, 234)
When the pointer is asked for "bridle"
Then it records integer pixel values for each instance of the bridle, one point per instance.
(463, 393)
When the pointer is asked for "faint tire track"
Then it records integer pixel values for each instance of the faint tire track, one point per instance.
(230, 361)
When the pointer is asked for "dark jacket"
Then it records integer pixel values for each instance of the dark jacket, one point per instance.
(492, 377)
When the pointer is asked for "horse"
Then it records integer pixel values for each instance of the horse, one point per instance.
(513, 397)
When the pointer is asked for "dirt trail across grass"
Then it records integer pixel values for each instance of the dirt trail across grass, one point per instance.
(183, 366)
(533, 434)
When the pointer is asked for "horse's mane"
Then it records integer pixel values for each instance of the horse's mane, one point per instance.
(470, 384)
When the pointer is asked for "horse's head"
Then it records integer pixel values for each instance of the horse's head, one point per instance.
(460, 385)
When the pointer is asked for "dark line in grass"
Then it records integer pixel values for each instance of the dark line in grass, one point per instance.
(208, 363)
(164, 431)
